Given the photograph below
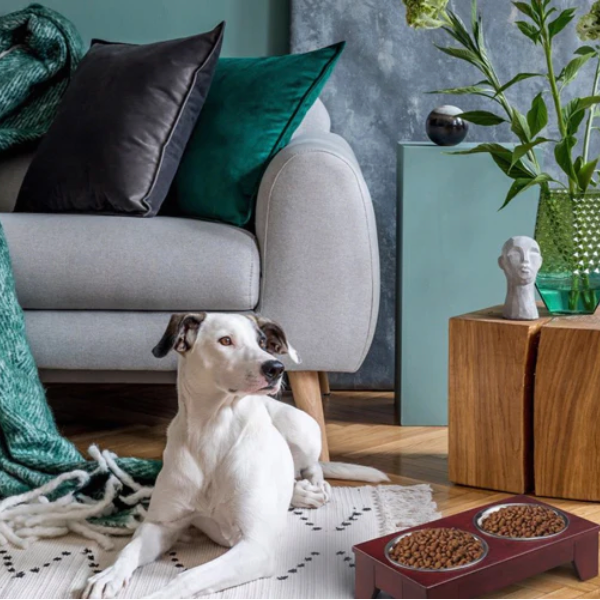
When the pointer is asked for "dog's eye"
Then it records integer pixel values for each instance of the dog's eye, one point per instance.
(226, 341)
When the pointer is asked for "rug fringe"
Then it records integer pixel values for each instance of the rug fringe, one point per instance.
(397, 511)
(28, 517)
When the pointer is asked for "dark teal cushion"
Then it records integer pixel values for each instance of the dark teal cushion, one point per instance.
(252, 110)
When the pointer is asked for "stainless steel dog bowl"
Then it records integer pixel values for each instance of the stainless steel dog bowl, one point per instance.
(394, 541)
(481, 516)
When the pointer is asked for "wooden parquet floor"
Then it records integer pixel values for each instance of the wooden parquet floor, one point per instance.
(131, 420)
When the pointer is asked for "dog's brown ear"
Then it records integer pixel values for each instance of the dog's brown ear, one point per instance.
(277, 342)
(180, 334)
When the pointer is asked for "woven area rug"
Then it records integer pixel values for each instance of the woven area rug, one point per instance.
(314, 558)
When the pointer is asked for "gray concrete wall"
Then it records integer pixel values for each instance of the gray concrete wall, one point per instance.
(377, 96)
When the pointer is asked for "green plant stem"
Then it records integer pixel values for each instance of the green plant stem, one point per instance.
(590, 121)
(487, 69)
(554, 87)
(509, 111)
(547, 43)
(589, 299)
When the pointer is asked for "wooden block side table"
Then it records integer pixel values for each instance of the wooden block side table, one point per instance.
(567, 409)
(491, 371)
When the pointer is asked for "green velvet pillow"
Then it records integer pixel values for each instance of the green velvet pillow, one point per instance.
(252, 110)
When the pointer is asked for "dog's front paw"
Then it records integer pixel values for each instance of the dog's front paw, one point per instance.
(106, 584)
(310, 495)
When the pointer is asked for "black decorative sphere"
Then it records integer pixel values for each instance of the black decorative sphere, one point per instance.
(445, 127)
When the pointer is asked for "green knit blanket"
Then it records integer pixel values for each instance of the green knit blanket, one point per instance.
(48, 487)
(39, 51)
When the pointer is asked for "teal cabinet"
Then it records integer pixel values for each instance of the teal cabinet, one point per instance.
(450, 234)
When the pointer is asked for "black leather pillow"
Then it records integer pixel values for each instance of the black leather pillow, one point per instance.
(122, 127)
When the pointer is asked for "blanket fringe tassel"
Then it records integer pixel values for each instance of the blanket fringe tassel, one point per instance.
(28, 517)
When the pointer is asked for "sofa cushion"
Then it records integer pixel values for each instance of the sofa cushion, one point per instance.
(119, 263)
(118, 341)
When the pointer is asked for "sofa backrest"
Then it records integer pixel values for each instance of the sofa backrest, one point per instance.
(12, 173)
(13, 168)
(316, 120)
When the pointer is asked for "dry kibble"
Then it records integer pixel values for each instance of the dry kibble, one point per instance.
(437, 549)
(523, 521)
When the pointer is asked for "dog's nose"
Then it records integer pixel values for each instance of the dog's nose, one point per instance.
(272, 369)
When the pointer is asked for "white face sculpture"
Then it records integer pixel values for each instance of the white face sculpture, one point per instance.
(521, 260)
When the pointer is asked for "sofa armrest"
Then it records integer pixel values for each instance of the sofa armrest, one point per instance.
(319, 253)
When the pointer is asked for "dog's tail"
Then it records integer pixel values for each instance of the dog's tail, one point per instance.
(337, 470)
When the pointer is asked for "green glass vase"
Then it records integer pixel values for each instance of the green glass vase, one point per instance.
(568, 232)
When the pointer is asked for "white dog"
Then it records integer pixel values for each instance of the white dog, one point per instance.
(235, 459)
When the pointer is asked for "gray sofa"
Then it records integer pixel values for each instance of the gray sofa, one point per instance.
(98, 290)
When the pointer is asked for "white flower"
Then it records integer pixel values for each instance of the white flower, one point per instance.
(588, 27)
(426, 14)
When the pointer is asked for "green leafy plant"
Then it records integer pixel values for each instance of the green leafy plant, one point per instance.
(541, 23)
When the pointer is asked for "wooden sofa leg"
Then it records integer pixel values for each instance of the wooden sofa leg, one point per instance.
(307, 396)
(324, 383)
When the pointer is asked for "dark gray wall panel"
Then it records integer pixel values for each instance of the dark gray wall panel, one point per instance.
(376, 97)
